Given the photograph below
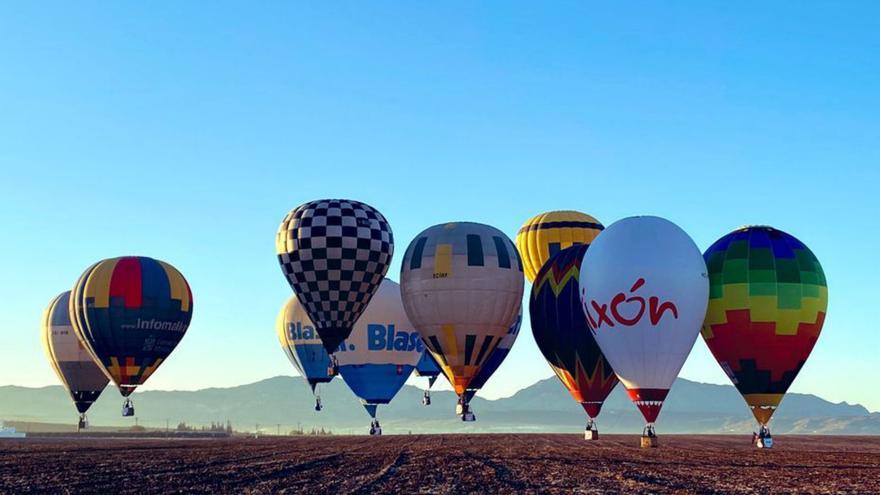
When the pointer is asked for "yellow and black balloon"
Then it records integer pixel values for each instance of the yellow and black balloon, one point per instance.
(546, 234)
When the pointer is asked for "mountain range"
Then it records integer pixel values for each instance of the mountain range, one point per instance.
(285, 403)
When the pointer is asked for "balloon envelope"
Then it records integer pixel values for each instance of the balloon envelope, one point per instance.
(562, 334)
(78, 373)
(427, 366)
(644, 290)
(546, 234)
(301, 343)
(498, 355)
(130, 313)
(767, 302)
(462, 288)
(334, 253)
(382, 350)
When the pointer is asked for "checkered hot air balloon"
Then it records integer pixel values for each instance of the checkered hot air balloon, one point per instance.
(334, 253)
(563, 335)
(767, 303)
(130, 313)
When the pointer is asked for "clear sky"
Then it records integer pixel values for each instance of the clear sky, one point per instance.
(186, 130)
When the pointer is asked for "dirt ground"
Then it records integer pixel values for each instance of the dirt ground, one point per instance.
(441, 464)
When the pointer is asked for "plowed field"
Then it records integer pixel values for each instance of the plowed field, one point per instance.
(441, 464)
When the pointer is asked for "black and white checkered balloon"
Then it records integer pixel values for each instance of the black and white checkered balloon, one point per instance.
(334, 253)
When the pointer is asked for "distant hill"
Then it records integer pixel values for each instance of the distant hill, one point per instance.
(285, 403)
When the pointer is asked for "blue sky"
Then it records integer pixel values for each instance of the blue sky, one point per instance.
(185, 131)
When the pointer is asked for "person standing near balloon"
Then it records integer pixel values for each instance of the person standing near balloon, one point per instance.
(334, 254)
(130, 313)
(767, 303)
(644, 291)
(462, 287)
(77, 371)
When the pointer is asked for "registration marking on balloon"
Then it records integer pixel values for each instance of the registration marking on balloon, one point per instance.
(609, 313)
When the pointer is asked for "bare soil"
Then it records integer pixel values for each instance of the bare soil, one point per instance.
(441, 464)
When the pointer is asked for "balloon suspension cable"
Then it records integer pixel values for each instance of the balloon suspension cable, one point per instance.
(591, 424)
(649, 430)
(83, 422)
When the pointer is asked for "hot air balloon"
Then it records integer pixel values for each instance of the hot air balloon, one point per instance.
(334, 253)
(381, 352)
(427, 367)
(130, 313)
(303, 347)
(546, 234)
(644, 290)
(76, 370)
(462, 287)
(495, 359)
(767, 303)
(564, 337)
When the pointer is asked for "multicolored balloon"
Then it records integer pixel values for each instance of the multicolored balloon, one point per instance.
(130, 313)
(644, 290)
(767, 302)
(563, 335)
(302, 346)
(383, 349)
(334, 253)
(77, 371)
(462, 287)
(546, 234)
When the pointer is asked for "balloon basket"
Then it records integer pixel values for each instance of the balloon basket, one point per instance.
(465, 412)
(648, 442)
(764, 443)
(127, 408)
(591, 434)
